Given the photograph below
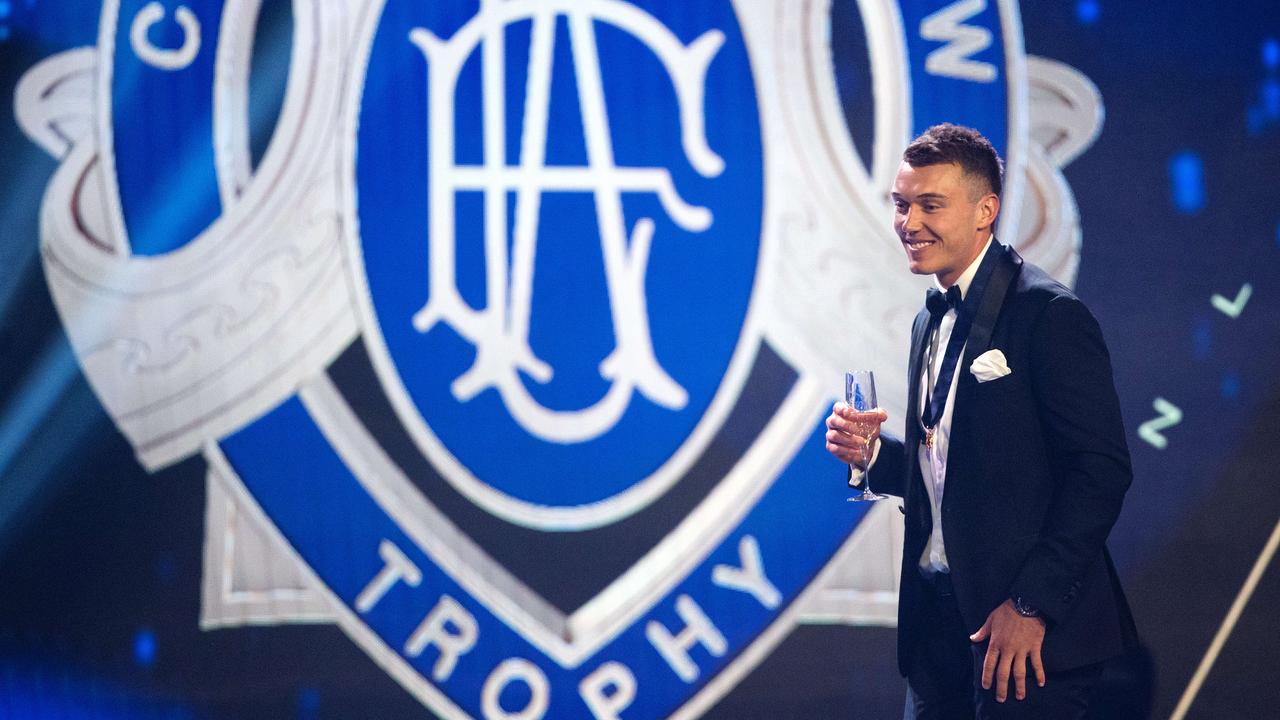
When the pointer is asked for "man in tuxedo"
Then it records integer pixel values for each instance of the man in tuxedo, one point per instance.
(1013, 465)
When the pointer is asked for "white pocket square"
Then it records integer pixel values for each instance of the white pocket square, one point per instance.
(989, 366)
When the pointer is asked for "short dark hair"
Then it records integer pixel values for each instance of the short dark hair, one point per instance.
(946, 144)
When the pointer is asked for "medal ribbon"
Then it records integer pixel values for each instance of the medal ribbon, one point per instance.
(965, 312)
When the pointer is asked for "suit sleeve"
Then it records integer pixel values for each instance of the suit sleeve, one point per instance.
(888, 472)
(1084, 434)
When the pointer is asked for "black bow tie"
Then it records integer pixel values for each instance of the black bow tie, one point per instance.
(938, 302)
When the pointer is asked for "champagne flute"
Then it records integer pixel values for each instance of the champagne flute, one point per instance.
(860, 394)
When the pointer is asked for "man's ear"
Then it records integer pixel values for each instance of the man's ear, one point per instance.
(987, 210)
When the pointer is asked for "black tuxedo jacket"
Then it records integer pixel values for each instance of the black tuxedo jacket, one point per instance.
(1037, 467)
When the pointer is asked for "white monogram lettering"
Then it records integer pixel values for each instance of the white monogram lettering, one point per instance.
(500, 330)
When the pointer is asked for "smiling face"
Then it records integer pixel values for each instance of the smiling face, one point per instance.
(943, 218)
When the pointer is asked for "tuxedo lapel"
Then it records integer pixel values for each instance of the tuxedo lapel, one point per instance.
(919, 335)
(1008, 264)
(978, 341)
(913, 486)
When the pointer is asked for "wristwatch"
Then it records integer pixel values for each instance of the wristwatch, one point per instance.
(1021, 607)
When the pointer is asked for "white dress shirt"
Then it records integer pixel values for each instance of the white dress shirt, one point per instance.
(933, 461)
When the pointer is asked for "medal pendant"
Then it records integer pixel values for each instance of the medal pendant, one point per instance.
(928, 438)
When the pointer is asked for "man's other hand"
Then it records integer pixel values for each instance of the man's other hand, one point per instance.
(1015, 641)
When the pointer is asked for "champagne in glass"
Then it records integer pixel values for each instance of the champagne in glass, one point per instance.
(860, 394)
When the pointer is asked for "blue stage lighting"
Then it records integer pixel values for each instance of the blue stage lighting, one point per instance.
(1088, 11)
(1186, 176)
(144, 648)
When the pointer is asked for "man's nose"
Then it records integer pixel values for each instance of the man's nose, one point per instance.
(911, 220)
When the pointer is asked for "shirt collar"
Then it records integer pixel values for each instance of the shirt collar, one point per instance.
(966, 277)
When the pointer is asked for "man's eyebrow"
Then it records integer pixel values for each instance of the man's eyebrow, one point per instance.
(924, 196)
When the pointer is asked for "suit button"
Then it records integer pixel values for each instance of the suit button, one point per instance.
(1070, 595)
